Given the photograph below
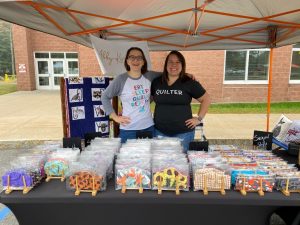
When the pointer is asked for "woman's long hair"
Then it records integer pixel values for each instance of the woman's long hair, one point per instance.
(144, 68)
(182, 75)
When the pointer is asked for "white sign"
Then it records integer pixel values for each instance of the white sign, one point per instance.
(111, 54)
(22, 68)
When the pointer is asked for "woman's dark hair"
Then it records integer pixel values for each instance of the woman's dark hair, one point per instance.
(182, 76)
(144, 68)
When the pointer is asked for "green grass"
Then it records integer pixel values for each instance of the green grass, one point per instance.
(7, 87)
(244, 108)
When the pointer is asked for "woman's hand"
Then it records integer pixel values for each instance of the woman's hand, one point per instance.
(124, 120)
(192, 123)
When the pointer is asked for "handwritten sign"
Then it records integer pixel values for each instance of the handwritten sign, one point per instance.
(111, 54)
(262, 139)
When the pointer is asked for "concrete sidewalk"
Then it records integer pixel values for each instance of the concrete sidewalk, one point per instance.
(36, 115)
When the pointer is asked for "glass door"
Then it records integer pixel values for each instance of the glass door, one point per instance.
(58, 71)
(72, 68)
(43, 74)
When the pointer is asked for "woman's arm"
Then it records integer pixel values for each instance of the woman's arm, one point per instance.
(114, 89)
(205, 103)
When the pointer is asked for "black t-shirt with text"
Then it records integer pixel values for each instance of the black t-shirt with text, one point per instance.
(173, 104)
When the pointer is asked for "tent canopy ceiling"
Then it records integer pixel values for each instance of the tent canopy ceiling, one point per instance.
(165, 24)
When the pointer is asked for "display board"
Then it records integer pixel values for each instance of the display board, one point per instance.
(84, 111)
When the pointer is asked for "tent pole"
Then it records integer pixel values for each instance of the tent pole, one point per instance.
(269, 88)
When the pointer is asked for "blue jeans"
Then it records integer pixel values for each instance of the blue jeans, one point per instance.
(131, 134)
(186, 138)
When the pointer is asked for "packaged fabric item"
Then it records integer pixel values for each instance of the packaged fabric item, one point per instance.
(105, 159)
(211, 179)
(132, 178)
(58, 162)
(56, 167)
(26, 171)
(235, 173)
(212, 148)
(170, 178)
(289, 181)
(255, 183)
(85, 181)
(166, 144)
(86, 176)
(133, 166)
(105, 144)
(18, 179)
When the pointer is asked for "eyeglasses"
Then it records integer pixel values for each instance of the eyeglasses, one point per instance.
(138, 58)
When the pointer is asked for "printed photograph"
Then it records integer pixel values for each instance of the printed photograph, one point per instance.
(76, 95)
(98, 111)
(101, 126)
(78, 113)
(96, 94)
(75, 80)
(98, 80)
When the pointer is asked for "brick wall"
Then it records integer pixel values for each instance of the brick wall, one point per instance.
(206, 66)
(88, 64)
(23, 55)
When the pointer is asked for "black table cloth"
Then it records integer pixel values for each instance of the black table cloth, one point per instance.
(51, 203)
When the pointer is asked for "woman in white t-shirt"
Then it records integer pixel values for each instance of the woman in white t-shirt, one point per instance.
(134, 90)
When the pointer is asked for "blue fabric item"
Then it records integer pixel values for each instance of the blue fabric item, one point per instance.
(85, 112)
(186, 138)
(131, 134)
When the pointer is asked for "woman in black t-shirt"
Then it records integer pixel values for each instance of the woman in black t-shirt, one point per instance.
(172, 94)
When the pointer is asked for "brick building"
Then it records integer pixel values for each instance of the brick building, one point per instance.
(229, 76)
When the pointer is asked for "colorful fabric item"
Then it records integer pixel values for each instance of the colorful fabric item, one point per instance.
(56, 168)
(235, 173)
(255, 183)
(168, 177)
(132, 178)
(294, 183)
(213, 177)
(85, 181)
(32, 178)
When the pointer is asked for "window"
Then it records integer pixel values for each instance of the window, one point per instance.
(60, 63)
(42, 55)
(247, 66)
(295, 66)
(57, 55)
(72, 55)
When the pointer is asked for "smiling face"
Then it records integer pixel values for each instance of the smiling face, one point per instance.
(174, 66)
(135, 60)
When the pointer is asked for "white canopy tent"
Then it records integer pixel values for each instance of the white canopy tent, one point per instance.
(165, 24)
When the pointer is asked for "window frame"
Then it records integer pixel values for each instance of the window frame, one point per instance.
(246, 81)
(293, 81)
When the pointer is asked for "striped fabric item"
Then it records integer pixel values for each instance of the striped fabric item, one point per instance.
(213, 179)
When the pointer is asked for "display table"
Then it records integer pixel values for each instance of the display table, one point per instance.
(51, 203)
